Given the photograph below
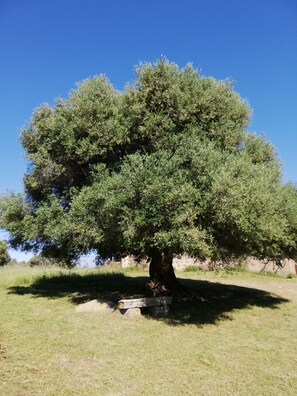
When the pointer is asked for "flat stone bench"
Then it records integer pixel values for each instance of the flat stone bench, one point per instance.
(157, 306)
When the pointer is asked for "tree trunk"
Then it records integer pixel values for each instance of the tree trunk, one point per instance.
(162, 277)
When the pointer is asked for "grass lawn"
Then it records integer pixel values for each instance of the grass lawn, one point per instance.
(236, 337)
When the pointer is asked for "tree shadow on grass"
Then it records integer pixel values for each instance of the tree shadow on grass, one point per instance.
(82, 288)
(209, 303)
(213, 302)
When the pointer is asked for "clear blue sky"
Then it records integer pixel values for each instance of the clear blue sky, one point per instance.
(46, 46)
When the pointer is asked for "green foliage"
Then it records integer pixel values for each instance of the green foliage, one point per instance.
(165, 164)
(38, 261)
(192, 268)
(4, 256)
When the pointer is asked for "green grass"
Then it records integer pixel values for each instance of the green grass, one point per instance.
(235, 337)
(192, 268)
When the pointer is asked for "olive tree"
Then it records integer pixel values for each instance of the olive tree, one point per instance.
(165, 167)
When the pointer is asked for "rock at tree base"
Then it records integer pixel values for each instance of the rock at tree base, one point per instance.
(96, 306)
(131, 313)
(160, 310)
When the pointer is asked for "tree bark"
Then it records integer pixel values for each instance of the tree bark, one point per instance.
(162, 277)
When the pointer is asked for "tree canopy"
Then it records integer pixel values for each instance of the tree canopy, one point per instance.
(165, 166)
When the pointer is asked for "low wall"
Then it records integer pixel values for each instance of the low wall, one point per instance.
(287, 266)
(181, 262)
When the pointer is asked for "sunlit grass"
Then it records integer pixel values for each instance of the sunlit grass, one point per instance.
(237, 337)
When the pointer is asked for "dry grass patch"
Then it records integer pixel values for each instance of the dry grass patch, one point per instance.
(235, 338)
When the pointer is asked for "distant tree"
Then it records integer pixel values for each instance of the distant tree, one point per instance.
(164, 168)
(38, 261)
(4, 256)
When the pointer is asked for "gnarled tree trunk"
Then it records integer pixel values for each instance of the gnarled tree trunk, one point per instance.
(162, 277)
